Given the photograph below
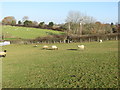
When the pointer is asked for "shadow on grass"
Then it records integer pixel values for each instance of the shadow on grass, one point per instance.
(48, 49)
(58, 49)
(73, 49)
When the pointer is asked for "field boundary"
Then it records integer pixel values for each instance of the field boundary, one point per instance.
(67, 39)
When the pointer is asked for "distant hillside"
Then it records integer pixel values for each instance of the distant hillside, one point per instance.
(14, 32)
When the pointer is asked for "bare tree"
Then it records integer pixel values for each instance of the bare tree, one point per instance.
(76, 19)
(35, 23)
(25, 18)
(73, 16)
(88, 19)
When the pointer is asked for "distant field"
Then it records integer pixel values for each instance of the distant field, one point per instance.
(13, 32)
(26, 66)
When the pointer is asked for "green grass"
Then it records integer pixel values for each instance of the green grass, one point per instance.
(26, 66)
(12, 32)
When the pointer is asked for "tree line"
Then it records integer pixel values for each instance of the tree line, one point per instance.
(25, 22)
(76, 23)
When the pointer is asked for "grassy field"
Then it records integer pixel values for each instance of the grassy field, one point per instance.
(13, 32)
(26, 66)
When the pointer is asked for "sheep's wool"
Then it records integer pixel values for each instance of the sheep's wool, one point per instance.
(100, 41)
(45, 46)
(81, 47)
(2, 53)
(54, 47)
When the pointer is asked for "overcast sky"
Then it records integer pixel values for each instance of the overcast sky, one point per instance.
(57, 12)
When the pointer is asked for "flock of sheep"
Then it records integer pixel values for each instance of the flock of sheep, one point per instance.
(54, 47)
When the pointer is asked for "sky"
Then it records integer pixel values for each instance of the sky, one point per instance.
(119, 12)
(105, 12)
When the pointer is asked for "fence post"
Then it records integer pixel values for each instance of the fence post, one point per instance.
(107, 38)
(68, 41)
(89, 39)
(64, 41)
(116, 38)
(45, 41)
(60, 41)
(98, 38)
(48, 42)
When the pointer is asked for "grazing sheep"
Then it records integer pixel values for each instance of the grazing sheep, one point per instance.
(3, 54)
(4, 43)
(81, 47)
(45, 47)
(54, 47)
(100, 41)
(35, 45)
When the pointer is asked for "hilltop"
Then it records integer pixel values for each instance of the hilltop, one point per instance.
(15, 32)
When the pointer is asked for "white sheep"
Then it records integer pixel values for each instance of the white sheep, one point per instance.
(81, 47)
(35, 45)
(3, 54)
(54, 47)
(100, 41)
(45, 47)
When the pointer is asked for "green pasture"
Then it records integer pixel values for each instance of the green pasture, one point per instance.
(26, 66)
(13, 32)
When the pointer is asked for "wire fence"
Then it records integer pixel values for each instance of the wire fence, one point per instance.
(68, 39)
